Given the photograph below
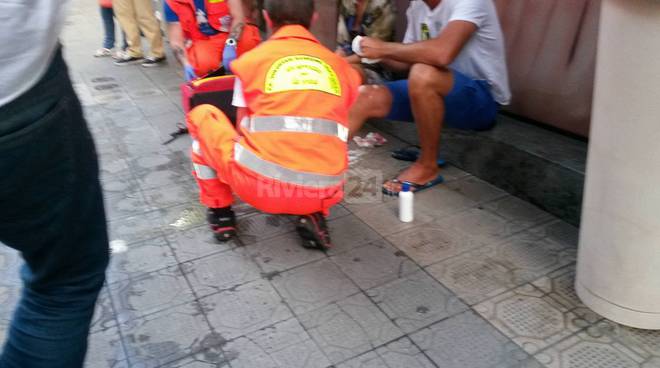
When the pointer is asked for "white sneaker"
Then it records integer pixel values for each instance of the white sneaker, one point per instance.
(119, 54)
(103, 52)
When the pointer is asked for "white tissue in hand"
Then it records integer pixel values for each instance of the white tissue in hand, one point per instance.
(357, 48)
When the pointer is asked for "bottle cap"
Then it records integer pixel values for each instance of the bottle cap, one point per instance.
(405, 187)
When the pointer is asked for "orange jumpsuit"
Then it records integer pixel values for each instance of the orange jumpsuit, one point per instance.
(205, 52)
(289, 155)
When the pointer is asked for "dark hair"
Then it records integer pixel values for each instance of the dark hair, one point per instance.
(283, 12)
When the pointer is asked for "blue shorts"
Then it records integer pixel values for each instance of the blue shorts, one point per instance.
(469, 104)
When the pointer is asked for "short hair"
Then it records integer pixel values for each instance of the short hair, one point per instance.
(283, 12)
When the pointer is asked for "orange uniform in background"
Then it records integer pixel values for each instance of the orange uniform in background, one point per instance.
(289, 155)
(205, 52)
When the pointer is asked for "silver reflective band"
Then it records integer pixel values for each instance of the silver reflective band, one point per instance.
(271, 170)
(295, 124)
(196, 148)
(204, 172)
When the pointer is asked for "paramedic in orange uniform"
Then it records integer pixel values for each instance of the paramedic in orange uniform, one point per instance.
(208, 34)
(288, 154)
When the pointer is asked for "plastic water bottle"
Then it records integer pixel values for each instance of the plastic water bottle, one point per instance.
(406, 201)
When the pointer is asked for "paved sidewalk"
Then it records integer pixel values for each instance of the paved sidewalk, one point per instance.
(481, 279)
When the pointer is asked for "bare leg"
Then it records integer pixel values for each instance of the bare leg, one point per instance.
(427, 86)
(373, 102)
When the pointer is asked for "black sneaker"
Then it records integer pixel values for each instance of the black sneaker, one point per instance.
(222, 222)
(150, 61)
(126, 59)
(313, 231)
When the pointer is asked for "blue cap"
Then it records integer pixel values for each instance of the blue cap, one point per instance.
(405, 187)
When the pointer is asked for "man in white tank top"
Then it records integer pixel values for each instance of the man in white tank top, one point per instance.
(453, 52)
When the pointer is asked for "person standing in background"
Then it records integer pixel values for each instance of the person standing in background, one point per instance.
(206, 35)
(137, 16)
(51, 205)
(108, 17)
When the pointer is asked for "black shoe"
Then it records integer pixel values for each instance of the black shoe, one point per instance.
(314, 232)
(223, 223)
(127, 60)
(153, 61)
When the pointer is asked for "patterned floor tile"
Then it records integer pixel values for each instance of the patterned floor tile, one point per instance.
(137, 228)
(520, 214)
(167, 336)
(349, 232)
(338, 211)
(416, 301)
(558, 231)
(149, 293)
(282, 253)
(125, 205)
(196, 243)
(213, 359)
(245, 309)
(384, 218)
(374, 264)
(488, 271)
(183, 217)
(433, 242)
(104, 313)
(475, 189)
(466, 340)
(398, 354)
(440, 202)
(164, 177)
(9, 296)
(313, 286)
(171, 195)
(605, 345)
(283, 345)
(105, 350)
(350, 327)
(481, 226)
(10, 264)
(259, 227)
(119, 184)
(532, 319)
(140, 258)
(560, 286)
(221, 271)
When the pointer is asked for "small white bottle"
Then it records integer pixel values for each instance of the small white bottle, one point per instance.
(406, 202)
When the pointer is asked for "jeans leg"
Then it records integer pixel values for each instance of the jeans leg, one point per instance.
(108, 27)
(51, 210)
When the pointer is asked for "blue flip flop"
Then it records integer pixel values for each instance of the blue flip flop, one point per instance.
(411, 153)
(414, 187)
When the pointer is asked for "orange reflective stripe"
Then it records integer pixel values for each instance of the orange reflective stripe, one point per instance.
(295, 124)
(250, 160)
(205, 172)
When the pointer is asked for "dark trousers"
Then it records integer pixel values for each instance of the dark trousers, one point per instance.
(51, 211)
(108, 17)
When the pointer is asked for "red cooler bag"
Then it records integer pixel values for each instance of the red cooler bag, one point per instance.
(214, 90)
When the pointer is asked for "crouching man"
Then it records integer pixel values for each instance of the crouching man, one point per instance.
(288, 154)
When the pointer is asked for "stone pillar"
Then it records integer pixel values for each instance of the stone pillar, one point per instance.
(618, 270)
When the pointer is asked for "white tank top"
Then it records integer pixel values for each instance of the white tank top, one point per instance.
(29, 31)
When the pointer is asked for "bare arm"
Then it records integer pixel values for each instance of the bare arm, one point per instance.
(440, 51)
(177, 42)
(237, 18)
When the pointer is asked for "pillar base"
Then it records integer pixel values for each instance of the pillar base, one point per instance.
(617, 313)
